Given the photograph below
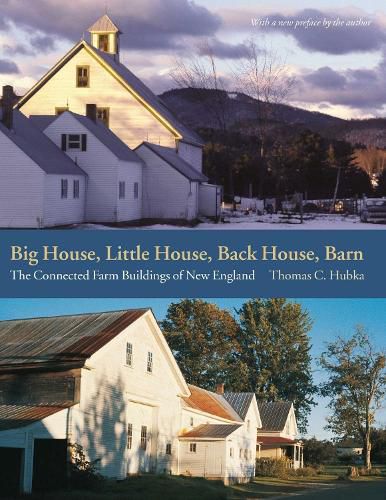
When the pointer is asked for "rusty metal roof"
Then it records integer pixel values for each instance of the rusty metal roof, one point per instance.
(210, 402)
(60, 340)
(14, 416)
(274, 415)
(214, 431)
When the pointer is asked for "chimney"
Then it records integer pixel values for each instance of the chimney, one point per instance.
(7, 105)
(220, 388)
(91, 112)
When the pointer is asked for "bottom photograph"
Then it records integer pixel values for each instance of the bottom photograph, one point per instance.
(192, 398)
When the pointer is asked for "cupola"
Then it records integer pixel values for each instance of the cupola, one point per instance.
(105, 35)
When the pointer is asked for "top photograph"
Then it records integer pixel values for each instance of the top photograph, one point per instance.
(192, 115)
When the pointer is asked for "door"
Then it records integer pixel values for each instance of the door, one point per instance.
(50, 464)
(139, 433)
(11, 460)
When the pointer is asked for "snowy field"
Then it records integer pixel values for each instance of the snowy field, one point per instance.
(252, 221)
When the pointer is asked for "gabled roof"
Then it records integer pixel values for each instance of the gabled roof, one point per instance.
(172, 158)
(133, 84)
(215, 431)
(274, 415)
(14, 416)
(240, 402)
(104, 25)
(59, 341)
(210, 402)
(39, 147)
(99, 130)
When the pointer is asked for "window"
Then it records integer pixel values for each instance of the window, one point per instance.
(129, 436)
(168, 448)
(82, 76)
(191, 421)
(143, 437)
(241, 453)
(129, 354)
(149, 367)
(231, 452)
(64, 188)
(74, 142)
(193, 447)
(59, 111)
(246, 454)
(122, 190)
(103, 43)
(76, 189)
(136, 190)
(248, 425)
(103, 114)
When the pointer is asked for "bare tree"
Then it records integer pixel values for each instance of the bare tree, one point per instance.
(264, 75)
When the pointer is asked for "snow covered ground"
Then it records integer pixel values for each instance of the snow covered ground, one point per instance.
(253, 221)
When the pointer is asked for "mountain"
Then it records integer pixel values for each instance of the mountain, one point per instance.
(197, 108)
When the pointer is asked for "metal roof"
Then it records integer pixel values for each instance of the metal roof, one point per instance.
(274, 415)
(210, 402)
(240, 402)
(14, 416)
(60, 340)
(216, 431)
(31, 140)
(99, 130)
(173, 159)
(272, 440)
(104, 25)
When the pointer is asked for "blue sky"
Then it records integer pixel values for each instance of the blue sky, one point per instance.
(331, 317)
(339, 71)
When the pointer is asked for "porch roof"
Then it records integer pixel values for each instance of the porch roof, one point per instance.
(272, 440)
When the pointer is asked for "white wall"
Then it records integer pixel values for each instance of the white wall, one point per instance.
(21, 187)
(209, 460)
(70, 210)
(130, 208)
(209, 200)
(191, 154)
(167, 194)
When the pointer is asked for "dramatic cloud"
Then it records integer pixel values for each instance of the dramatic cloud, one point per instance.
(147, 24)
(8, 67)
(18, 48)
(326, 78)
(223, 50)
(43, 43)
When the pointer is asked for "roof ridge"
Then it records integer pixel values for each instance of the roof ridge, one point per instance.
(77, 314)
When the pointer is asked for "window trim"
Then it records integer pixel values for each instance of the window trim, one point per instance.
(150, 363)
(129, 441)
(136, 190)
(63, 189)
(104, 108)
(168, 449)
(108, 41)
(122, 190)
(130, 365)
(192, 447)
(77, 76)
(143, 442)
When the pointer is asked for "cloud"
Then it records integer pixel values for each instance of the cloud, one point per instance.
(18, 48)
(326, 78)
(223, 50)
(8, 67)
(43, 43)
(146, 24)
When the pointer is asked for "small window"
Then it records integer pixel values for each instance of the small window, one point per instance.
(136, 190)
(103, 43)
(129, 436)
(59, 111)
(246, 454)
(248, 425)
(74, 141)
(143, 437)
(193, 447)
(103, 114)
(122, 190)
(82, 76)
(231, 452)
(64, 189)
(129, 354)
(191, 421)
(168, 449)
(149, 367)
(241, 453)
(76, 189)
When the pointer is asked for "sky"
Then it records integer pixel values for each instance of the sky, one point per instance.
(339, 67)
(331, 317)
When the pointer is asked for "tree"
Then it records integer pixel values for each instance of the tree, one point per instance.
(275, 349)
(203, 339)
(356, 386)
(378, 438)
(318, 452)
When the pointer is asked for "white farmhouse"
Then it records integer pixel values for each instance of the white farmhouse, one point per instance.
(173, 186)
(109, 382)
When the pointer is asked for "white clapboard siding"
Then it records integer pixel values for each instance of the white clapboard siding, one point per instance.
(130, 208)
(209, 460)
(58, 211)
(21, 187)
(191, 154)
(167, 194)
(129, 119)
(209, 200)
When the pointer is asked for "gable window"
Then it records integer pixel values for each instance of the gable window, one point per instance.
(103, 114)
(149, 367)
(82, 76)
(64, 189)
(74, 142)
(129, 354)
(143, 437)
(168, 448)
(103, 43)
(76, 189)
(193, 447)
(122, 190)
(129, 436)
(59, 111)
(136, 190)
